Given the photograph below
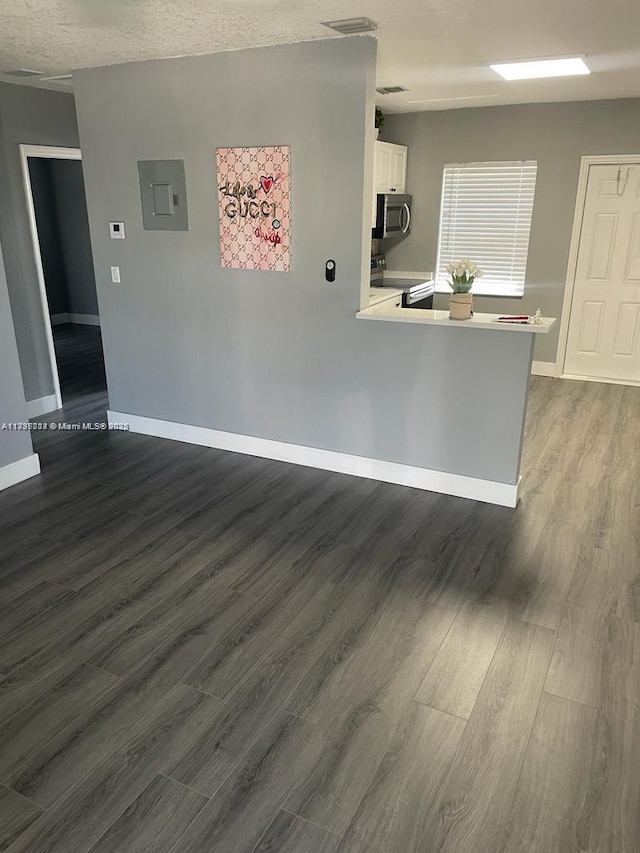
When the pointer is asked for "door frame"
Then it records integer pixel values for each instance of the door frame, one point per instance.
(44, 152)
(572, 266)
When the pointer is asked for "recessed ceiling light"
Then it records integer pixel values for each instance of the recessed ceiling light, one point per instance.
(352, 26)
(537, 68)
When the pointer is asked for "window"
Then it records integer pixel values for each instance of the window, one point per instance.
(486, 217)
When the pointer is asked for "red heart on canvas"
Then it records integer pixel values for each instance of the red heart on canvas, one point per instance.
(266, 183)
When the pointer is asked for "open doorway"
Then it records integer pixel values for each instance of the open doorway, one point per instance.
(54, 186)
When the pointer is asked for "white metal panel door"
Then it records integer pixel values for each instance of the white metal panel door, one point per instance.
(604, 324)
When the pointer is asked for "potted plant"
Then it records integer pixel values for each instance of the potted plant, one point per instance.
(379, 121)
(463, 274)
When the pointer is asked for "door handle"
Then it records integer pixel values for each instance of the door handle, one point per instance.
(404, 227)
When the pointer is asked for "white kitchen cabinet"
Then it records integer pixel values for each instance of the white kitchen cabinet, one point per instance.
(390, 168)
(389, 171)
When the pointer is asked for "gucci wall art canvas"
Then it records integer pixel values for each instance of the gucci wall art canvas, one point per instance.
(254, 197)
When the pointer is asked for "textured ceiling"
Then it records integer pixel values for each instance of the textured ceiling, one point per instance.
(439, 49)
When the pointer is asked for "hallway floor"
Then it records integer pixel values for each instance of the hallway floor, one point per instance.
(205, 652)
(80, 363)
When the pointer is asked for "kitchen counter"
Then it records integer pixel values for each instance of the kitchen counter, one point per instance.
(388, 312)
(378, 295)
(477, 387)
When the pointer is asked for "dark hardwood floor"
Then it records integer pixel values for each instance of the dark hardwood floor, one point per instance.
(203, 652)
(80, 363)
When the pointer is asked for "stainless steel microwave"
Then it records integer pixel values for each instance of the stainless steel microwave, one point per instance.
(393, 215)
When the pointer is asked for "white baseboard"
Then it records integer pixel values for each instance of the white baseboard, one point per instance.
(85, 319)
(41, 406)
(547, 368)
(81, 319)
(18, 471)
(503, 494)
(633, 383)
(543, 368)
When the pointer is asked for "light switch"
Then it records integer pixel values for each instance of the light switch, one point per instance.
(116, 230)
(115, 275)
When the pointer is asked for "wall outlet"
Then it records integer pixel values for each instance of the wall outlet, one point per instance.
(115, 275)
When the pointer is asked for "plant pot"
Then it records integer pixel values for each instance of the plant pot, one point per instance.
(460, 306)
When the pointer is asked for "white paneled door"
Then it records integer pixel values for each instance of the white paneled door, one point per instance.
(604, 325)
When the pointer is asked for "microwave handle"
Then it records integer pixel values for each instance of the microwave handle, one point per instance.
(404, 227)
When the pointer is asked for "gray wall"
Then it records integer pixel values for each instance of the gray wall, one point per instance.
(557, 136)
(63, 231)
(277, 355)
(73, 225)
(49, 235)
(14, 445)
(38, 117)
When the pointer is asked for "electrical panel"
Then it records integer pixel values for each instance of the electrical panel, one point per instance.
(163, 191)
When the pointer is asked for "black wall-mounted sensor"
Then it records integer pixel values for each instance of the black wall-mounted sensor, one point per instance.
(330, 270)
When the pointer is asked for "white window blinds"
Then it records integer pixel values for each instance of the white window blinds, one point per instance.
(486, 217)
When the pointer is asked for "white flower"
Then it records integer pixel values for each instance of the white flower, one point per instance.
(464, 271)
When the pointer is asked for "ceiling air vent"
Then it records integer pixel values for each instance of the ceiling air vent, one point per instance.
(352, 26)
(391, 90)
(23, 72)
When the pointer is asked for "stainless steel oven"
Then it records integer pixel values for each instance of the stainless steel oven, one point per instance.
(415, 293)
(393, 215)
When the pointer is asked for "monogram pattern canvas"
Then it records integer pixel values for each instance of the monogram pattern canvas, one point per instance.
(255, 207)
